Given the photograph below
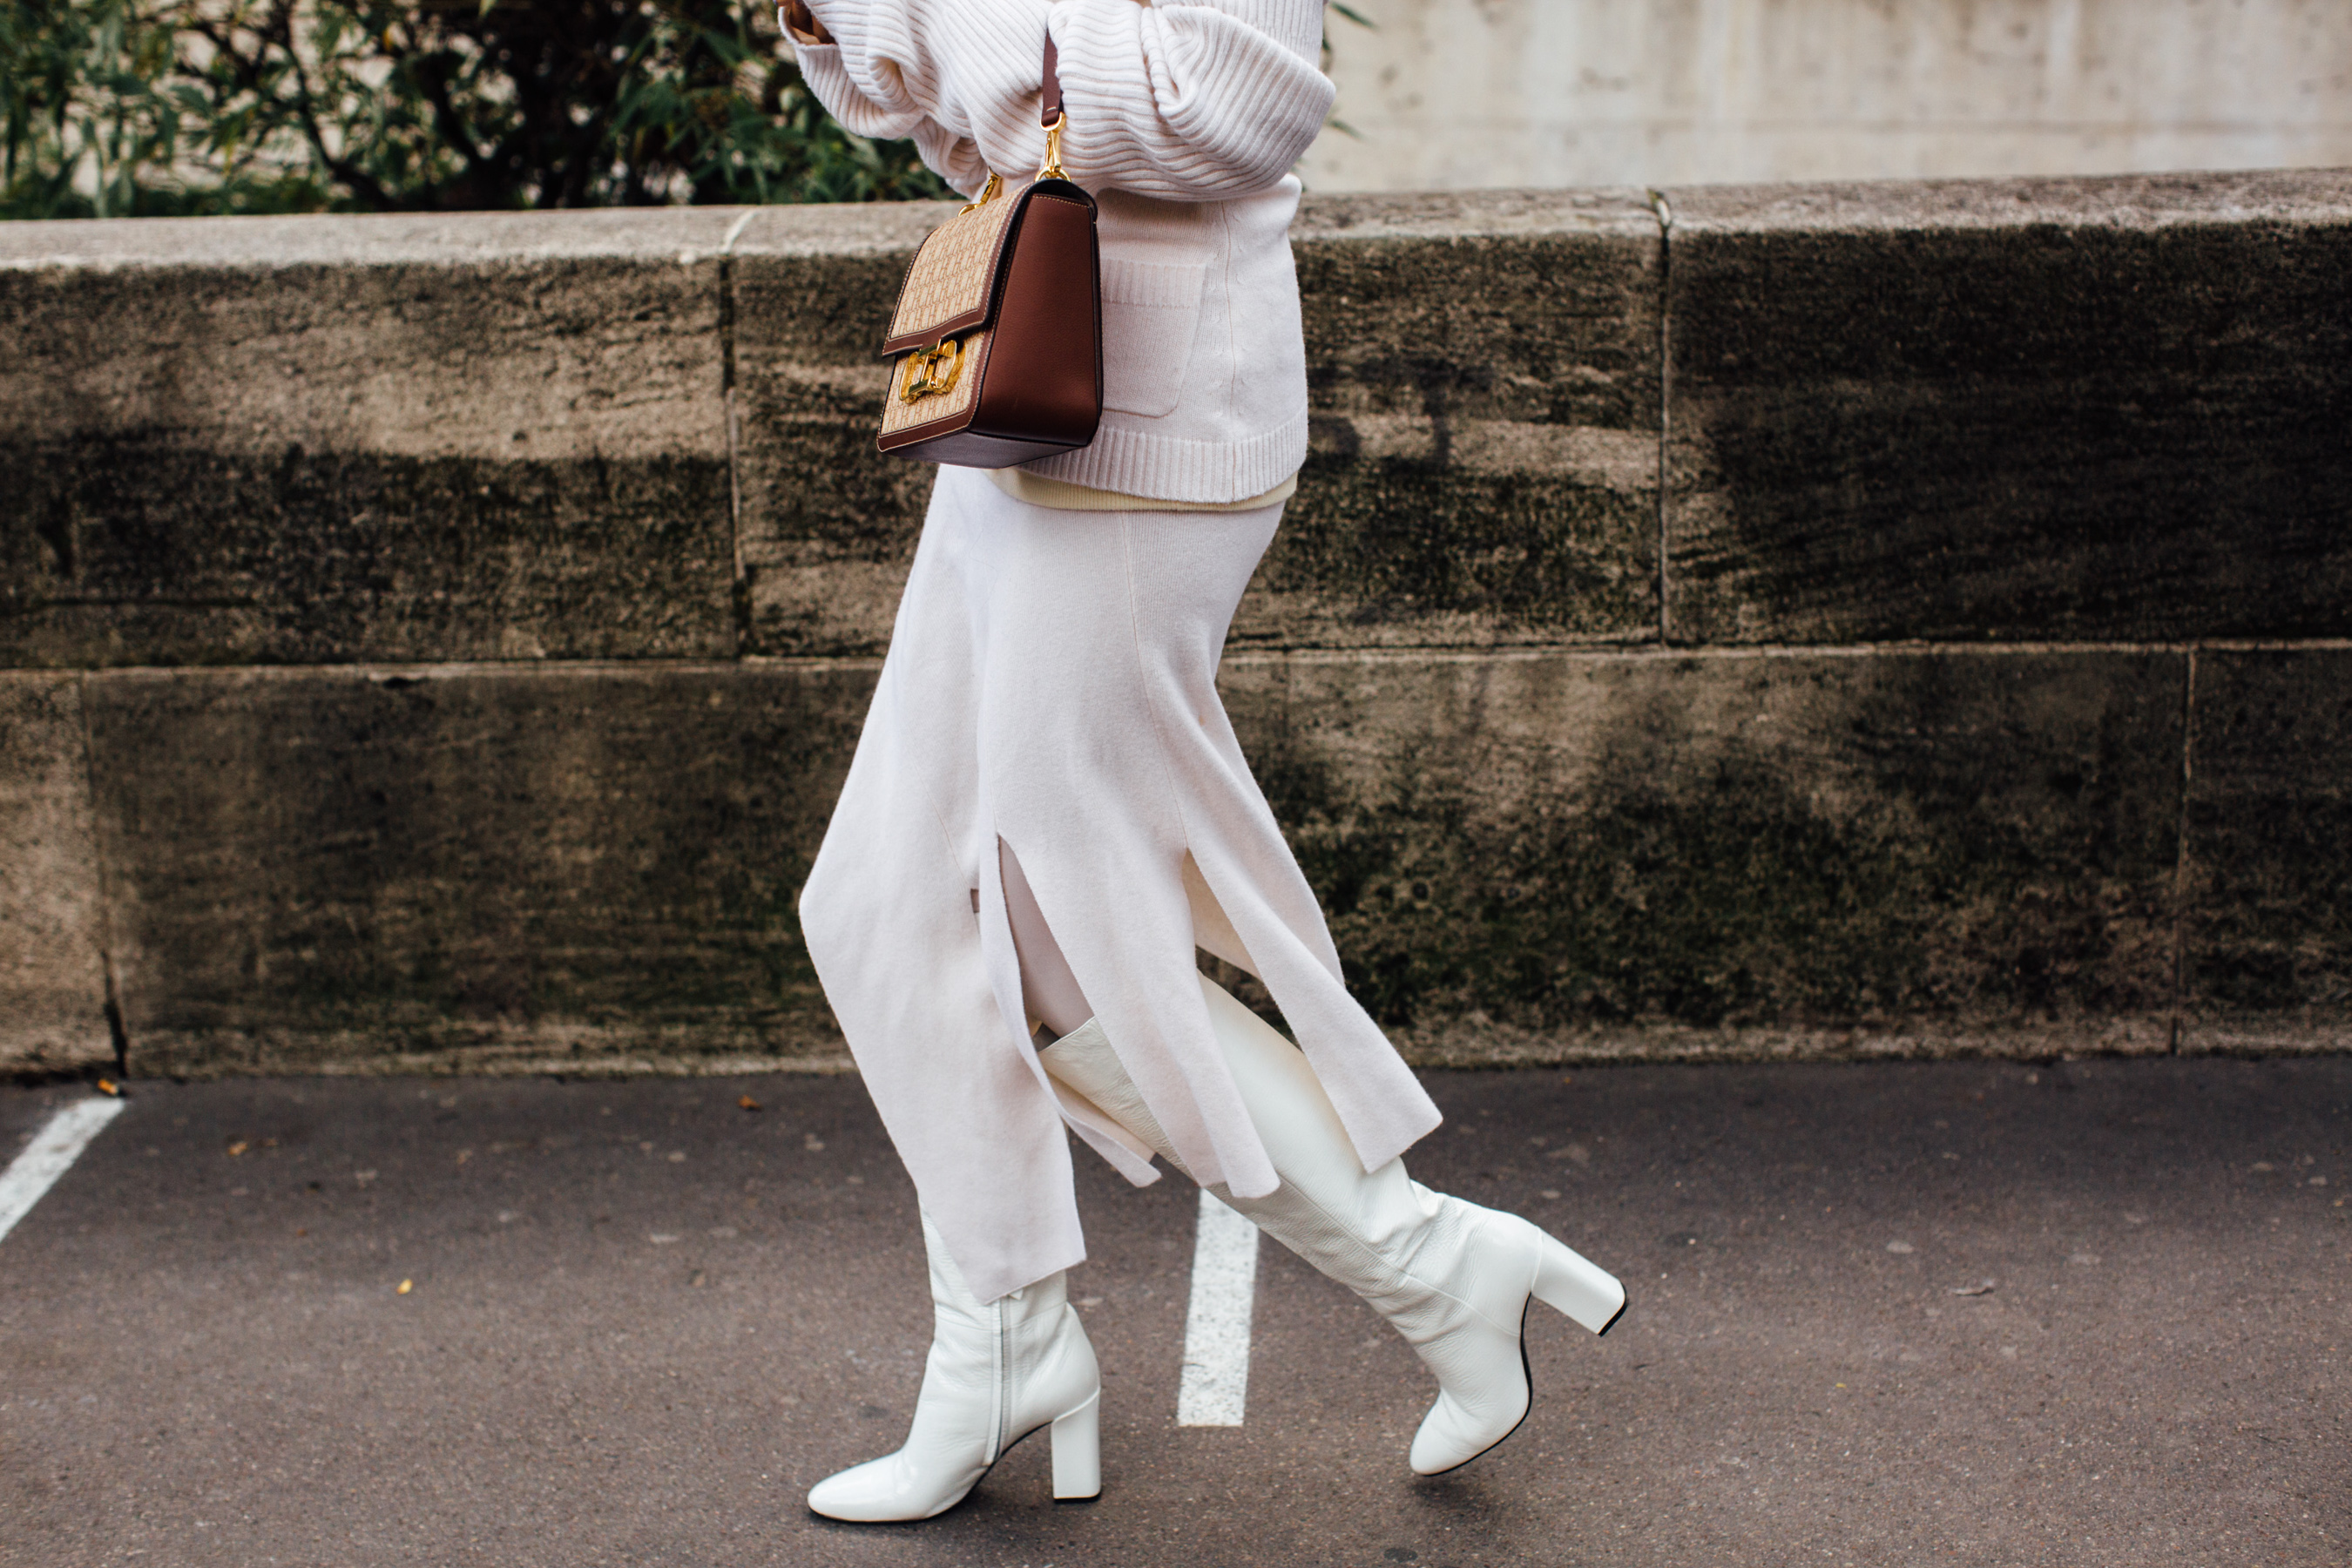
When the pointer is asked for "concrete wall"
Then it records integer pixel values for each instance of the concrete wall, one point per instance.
(1818, 620)
(1464, 94)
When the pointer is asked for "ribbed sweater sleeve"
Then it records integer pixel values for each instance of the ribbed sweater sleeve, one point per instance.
(1202, 101)
(890, 115)
(1194, 102)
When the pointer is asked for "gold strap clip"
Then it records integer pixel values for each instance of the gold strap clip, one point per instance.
(988, 192)
(1053, 167)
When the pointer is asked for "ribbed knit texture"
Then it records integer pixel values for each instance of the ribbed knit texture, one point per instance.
(1200, 109)
(1143, 463)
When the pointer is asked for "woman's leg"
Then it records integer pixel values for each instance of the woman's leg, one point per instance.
(890, 914)
(1048, 985)
(891, 921)
(1108, 766)
(1453, 1278)
(997, 1371)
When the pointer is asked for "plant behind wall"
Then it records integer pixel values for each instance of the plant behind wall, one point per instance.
(122, 108)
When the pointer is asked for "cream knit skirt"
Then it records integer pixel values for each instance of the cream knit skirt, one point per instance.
(1052, 683)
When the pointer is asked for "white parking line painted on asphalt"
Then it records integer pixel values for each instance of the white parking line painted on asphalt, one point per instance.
(1217, 1324)
(49, 1155)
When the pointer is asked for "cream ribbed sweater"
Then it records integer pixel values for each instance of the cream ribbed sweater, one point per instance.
(1184, 120)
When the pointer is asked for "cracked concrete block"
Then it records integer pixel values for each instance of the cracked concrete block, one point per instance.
(52, 975)
(316, 439)
(1571, 856)
(492, 868)
(2266, 965)
(2012, 410)
(1482, 372)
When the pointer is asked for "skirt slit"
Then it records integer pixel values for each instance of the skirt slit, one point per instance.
(1050, 688)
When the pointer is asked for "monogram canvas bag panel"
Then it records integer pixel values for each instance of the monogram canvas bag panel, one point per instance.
(949, 283)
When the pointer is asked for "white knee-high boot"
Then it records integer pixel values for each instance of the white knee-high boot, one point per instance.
(1454, 1279)
(998, 1371)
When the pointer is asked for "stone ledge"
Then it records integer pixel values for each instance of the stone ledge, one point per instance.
(53, 937)
(1530, 856)
(1606, 212)
(1484, 371)
(1962, 478)
(533, 867)
(1479, 1042)
(555, 1051)
(2117, 202)
(2105, 409)
(266, 245)
(2074, 410)
(548, 862)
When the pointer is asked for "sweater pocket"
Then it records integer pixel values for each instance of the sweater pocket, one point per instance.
(1150, 312)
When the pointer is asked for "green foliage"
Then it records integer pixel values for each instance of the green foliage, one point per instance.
(116, 107)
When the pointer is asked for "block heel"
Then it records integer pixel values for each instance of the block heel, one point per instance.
(1076, 1442)
(1575, 1287)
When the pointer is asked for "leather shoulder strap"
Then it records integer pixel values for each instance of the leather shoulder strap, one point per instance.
(1051, 113)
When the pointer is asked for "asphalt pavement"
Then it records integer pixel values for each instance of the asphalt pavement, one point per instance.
(2086, 1313)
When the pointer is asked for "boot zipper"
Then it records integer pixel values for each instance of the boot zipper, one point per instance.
(1003, 1378)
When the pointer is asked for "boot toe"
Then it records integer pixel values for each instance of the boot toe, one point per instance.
(844, 1495)
(1454, 1433)
(880, 1491)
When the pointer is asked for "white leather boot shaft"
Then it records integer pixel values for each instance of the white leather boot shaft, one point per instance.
(997, 1371)
(1453, 1278)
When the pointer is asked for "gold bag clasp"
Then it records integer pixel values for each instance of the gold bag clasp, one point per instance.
(924, 378)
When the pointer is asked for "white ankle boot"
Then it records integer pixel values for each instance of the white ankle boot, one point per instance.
(997, 1373)
(1453, 1278)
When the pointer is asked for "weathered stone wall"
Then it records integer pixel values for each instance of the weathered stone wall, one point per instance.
(1864, 620)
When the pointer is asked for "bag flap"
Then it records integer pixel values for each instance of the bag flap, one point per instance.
(950, 285)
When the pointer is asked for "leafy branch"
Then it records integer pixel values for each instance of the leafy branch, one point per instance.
(126, 107)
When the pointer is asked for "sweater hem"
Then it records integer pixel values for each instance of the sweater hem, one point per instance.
(1170, 468)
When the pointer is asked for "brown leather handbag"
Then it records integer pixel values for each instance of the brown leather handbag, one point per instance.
(998, 333)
